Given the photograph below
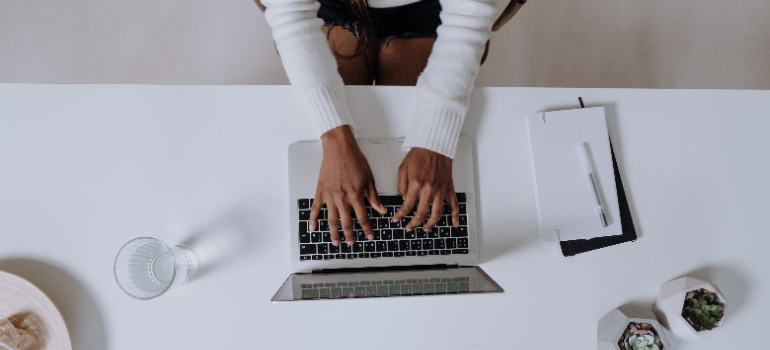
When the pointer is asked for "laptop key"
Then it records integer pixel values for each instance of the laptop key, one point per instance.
(442, 221)
(326, 237)
(427, 244)
(339, 256)
(433, 232)
(345, 248)
(375, 255)
(304, 236)
(323, 248)
(391, 200)
(462, 208)
(460, 251)
(387, 254)
(391, 212)
(381, 246)
(416, 244)
(359, 247)
(361, 236)
(386, 235)
(352, 256)
(446, 252)
(403, 245)
(315, 237)
(438, 243)
(405, 221)
(323, 225)
(398, 234)
(333, 249)
(422, 253)
(318, 257)
(376, 235)
(433, 252)
(392, 246)
(459, 231)
(369, 246)
(328, 257)
(444, 232)
(399, 254)
(460, 197)
(363, 255)
(411, 253)
(410, 235)
(462, 243)
(421, 233)
(304, 204)
(307, 249)
(325, 292)
(304, 214)
(396, 224)
(463, 220)
(451, 243)
(383, 223)
(446, 210)
(304, 257)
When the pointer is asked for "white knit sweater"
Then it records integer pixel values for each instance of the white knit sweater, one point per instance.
(443, 88)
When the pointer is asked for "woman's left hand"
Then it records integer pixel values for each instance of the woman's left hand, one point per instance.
(426, 177)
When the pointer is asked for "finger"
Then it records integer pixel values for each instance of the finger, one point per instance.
(374, 198)
(363, 217)
(455, 208)
(435, 215)
(315, 209)
(331, 211)
(408, 205)
(420, 215)
(347, 223)
(403, 182)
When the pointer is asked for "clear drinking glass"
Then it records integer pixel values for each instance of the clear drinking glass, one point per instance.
(145, 267)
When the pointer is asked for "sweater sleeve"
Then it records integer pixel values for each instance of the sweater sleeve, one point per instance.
(308, 61)
(445, 86)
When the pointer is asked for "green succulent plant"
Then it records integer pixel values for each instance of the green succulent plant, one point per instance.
(641, 340)
(703, 311)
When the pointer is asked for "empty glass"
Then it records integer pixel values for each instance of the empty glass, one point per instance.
(145, 267)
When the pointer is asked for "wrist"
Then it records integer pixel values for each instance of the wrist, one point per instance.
(341, 136)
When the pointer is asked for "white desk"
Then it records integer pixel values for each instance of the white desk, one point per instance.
(86, 168)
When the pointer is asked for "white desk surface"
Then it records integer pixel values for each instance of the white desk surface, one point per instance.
(86, 168)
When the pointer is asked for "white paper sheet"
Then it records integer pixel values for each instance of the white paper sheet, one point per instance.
(565, 204)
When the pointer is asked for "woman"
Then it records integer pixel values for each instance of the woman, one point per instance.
(437, 45)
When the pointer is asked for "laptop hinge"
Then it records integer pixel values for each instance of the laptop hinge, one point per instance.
(387, 268)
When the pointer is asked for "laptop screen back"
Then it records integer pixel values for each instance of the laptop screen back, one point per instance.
(341, 285)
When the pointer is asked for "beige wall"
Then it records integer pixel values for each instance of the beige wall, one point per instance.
(588, 43)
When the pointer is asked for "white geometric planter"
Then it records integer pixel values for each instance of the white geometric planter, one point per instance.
(670, 303)
(612, 326)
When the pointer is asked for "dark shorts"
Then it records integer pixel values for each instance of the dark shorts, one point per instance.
(416, 20)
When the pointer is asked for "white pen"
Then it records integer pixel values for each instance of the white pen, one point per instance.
(589, 169)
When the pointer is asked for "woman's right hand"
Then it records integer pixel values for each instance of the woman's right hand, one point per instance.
(344, 181)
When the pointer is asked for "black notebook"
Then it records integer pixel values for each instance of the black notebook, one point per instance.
(572, 248)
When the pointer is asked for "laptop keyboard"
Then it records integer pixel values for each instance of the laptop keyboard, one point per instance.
(390, 238)
(386, 288)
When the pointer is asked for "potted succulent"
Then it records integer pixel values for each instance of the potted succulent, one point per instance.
(631, 328)
(692, 309)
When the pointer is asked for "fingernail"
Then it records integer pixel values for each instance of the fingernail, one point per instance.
(393, 220)
(351, 242)
(408, 229)
(336, 242)
(370, 237)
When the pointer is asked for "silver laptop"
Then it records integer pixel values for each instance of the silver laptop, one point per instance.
(396, 262)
